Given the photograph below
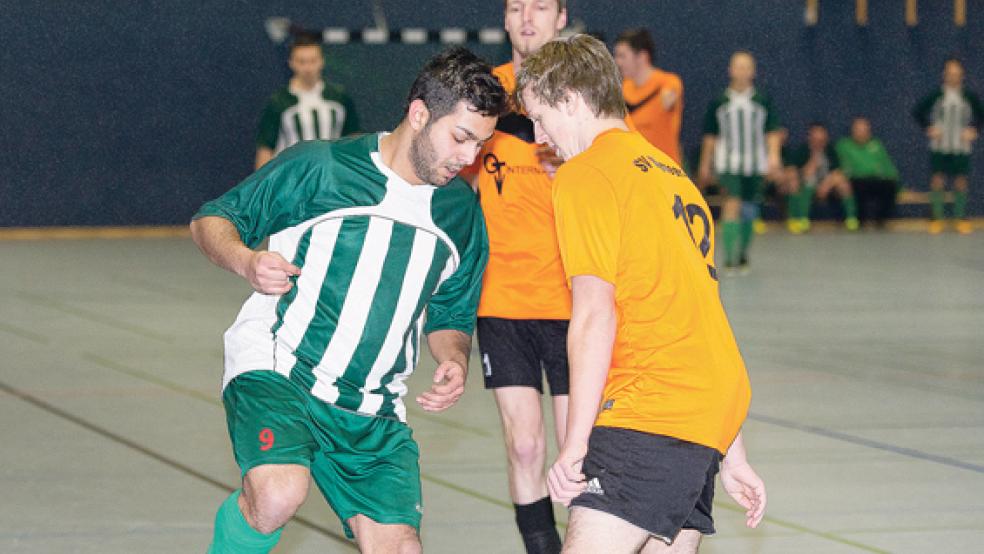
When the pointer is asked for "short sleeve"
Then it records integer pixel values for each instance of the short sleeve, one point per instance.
(266, 201)
(588, 222)
(455, 304)
(269, 127)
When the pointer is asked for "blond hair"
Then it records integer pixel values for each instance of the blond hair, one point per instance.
(579, 64)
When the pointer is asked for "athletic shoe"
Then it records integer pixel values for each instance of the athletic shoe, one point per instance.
(852, 224)
(805, 224)
(965, 227)
(759, 226)
(936, 226)
(794, 226)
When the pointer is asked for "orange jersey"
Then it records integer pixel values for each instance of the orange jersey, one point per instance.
(628, 214)
(524, 278)
(660, 126)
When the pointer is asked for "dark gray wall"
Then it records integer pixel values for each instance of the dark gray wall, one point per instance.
(119, 113)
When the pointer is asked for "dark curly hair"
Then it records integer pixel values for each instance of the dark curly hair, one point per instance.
(454, 75)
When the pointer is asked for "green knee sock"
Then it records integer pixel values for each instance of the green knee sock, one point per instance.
(793, 206)
(806, 199)
(747, 232)
(850, 208)
(936, 203)
(729, 236)
(233, 535)
(959, 204)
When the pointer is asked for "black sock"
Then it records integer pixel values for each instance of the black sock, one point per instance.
(537, 527)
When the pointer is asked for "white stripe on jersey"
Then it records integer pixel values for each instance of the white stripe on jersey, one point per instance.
(355, 310)
(741, 145)
(421, 256)
(308, 287)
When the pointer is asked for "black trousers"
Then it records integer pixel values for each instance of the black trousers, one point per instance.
(875, 198)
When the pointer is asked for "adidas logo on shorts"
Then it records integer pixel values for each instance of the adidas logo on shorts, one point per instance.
(594, 487)
(487, 364)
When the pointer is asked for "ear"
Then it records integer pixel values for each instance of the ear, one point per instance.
(562, 20)
(570, 104)
(418, 115)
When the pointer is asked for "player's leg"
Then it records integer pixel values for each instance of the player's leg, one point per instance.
(368, 470)
(937, 182)
(687, 541)
(791, 187)
(273, 446)
(513, 371)
(552, 348)
(839, 184)
(378, 538)
(961, 170)
(590, 531)
(751, 191)
(730, 218)
(641, 487)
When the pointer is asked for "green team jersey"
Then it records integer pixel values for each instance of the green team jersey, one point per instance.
(952, 110)
(378, 257)
(291, 115)
(740, 121)
(869, 160)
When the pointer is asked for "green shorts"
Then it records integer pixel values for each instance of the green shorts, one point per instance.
(747, 187)
(952, 165)
(362, 464)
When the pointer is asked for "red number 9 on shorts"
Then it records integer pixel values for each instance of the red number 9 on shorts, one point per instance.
(266, 439)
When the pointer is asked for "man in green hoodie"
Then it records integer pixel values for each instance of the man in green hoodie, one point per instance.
(873, 176)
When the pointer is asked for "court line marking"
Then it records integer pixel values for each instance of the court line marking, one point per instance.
(24, 333)
(64, 307)
(174, 464)
(110, 364)
(104, 232)
(868, 443)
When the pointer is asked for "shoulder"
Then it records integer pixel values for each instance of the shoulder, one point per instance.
(281, 99)
(334, 91)
(761, 97)
(506, 74)
(669, 78)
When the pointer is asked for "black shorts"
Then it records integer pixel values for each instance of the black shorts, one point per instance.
(517, 352)
(655, 482)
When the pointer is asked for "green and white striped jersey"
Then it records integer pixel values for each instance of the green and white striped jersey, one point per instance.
(378, 256)
(291, 116)
(953, 110)
(740, 121)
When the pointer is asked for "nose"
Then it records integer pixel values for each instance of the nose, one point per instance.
(528, 12)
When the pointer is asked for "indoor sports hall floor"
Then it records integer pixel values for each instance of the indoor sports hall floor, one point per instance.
(866, 354)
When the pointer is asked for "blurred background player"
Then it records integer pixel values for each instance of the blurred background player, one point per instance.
(742, 141)
(814, 171)
(873, 176)
(654, 97)
(951, 116)
(307, 108)
(525, 306)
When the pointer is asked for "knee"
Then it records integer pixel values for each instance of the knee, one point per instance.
(271, 502)
(527, 449)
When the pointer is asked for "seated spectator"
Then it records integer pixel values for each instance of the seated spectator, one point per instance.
(813, 170)
(873, 176)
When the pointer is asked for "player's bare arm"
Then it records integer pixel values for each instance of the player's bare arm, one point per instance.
(590, 340)
(267, 272)
(704, 177)
(774, 144)
(450, 349)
